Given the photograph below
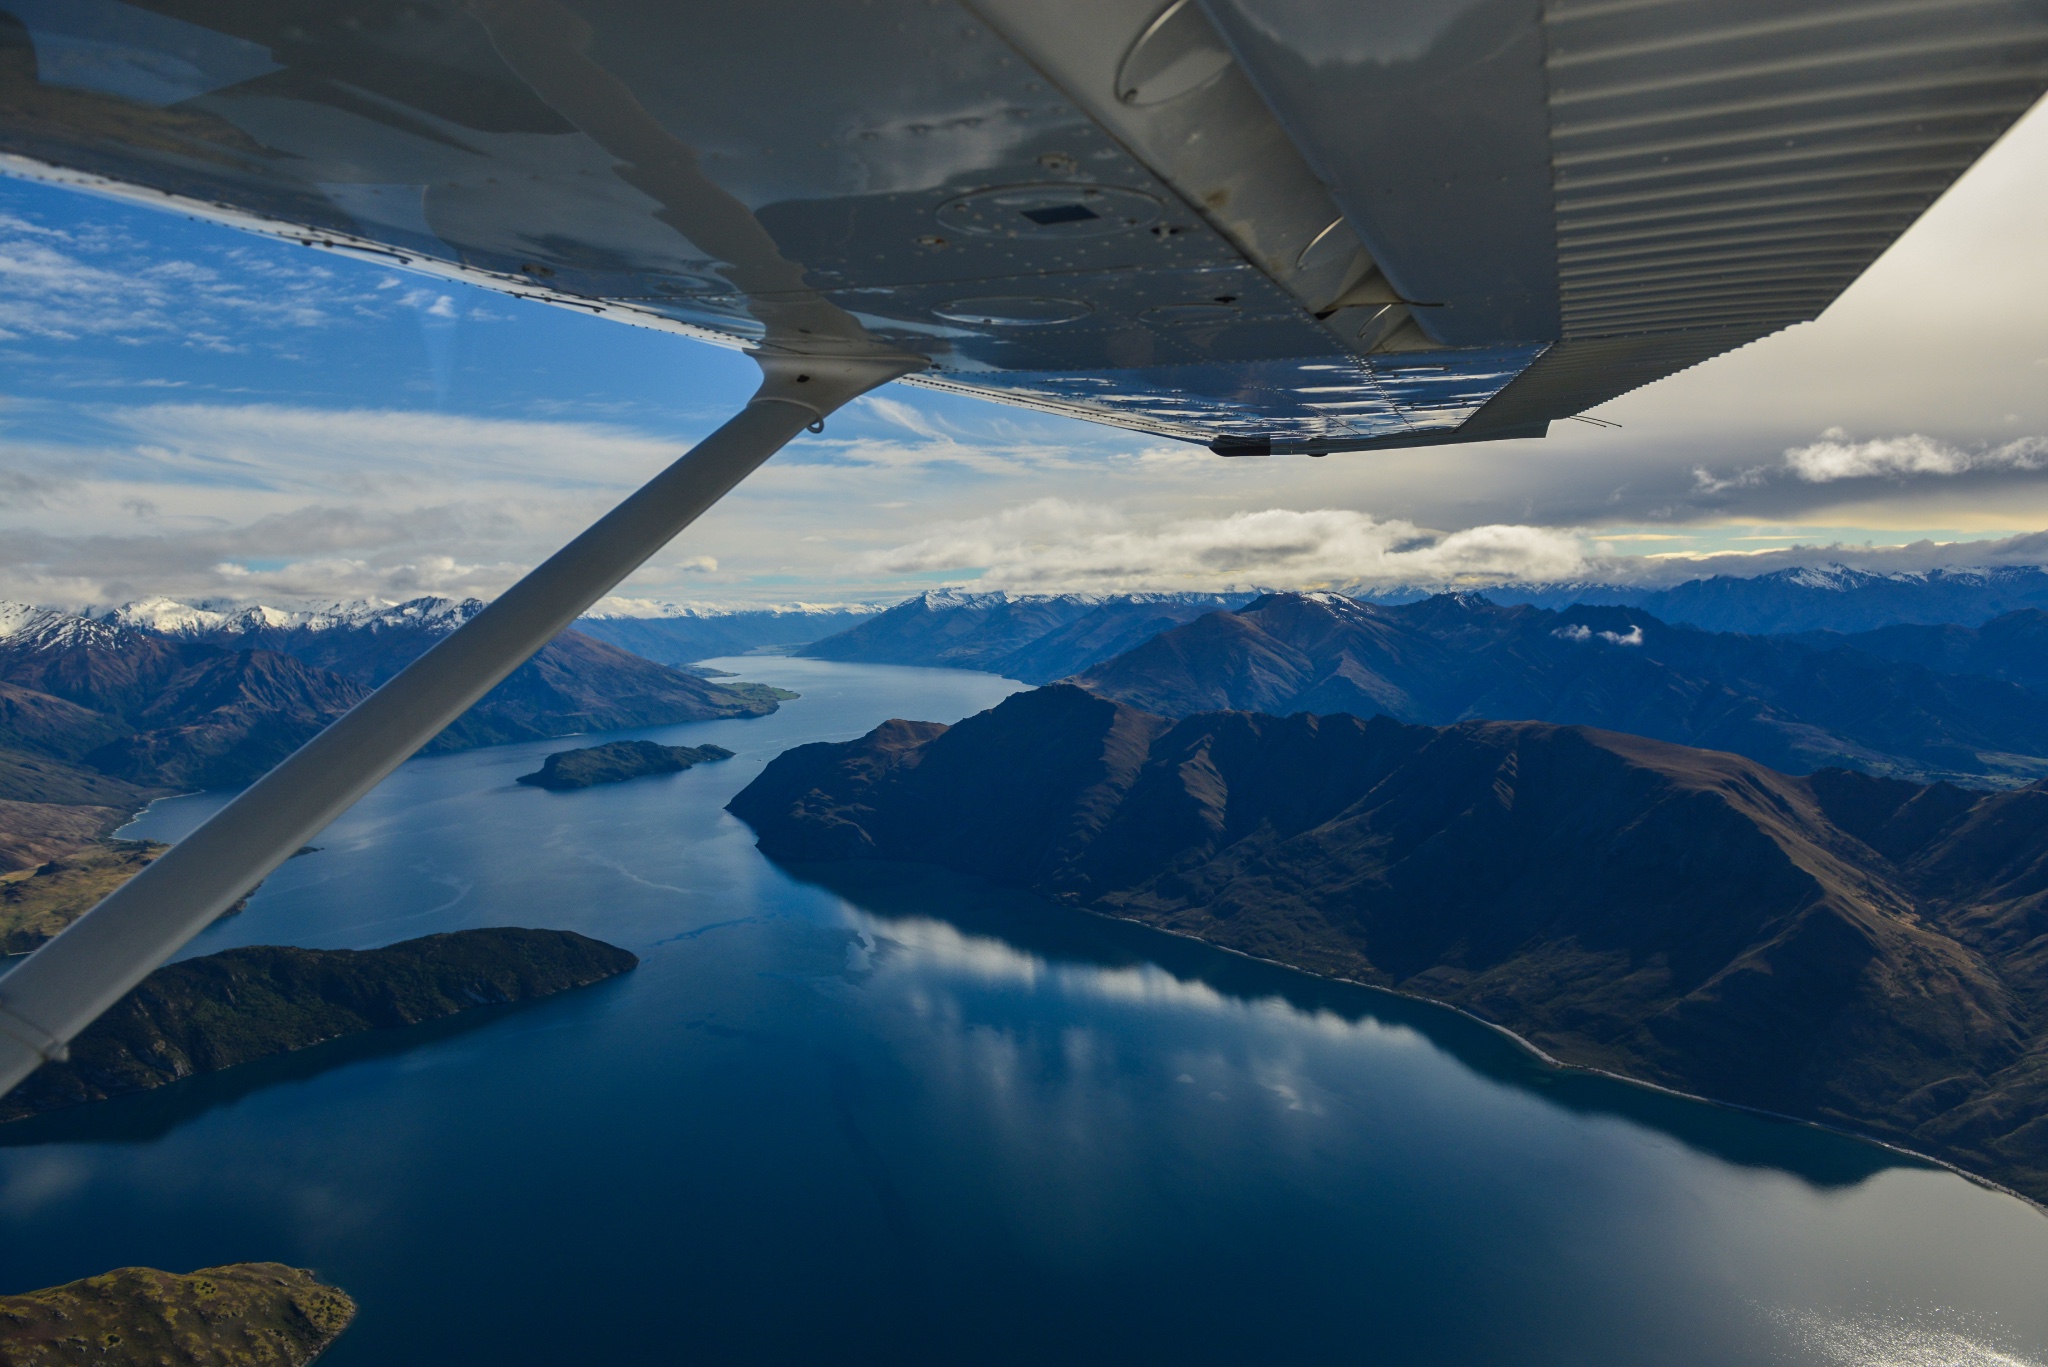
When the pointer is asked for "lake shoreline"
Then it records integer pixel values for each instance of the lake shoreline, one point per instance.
(1550, 1060)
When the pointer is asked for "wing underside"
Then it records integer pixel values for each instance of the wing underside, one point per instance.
(1266, 225)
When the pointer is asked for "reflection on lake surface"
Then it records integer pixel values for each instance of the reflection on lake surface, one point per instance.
(864, 1114)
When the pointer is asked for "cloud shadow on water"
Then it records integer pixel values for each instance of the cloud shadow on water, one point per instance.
(1823, 1159)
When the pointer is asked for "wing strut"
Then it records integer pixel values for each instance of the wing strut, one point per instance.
(62, 987)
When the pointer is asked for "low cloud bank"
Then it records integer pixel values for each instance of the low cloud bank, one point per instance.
(1838, 456)
(1835, 456)
(1055, 545)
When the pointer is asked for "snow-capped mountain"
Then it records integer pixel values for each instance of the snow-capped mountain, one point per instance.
(26, 627)
(656, 609)
(169, 617)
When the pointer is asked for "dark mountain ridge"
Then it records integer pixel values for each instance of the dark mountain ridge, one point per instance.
(996, 631)
(1862, 951)
(1793, 705)
(2012, 647)
(1809, 598)
(1033, 637)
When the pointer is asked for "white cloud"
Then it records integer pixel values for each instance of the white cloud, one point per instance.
(1835, 456)
(1060, 545)
(363, 449)
(65, 284)
(1580, 633)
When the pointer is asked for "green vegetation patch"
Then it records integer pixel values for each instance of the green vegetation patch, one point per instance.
(761, 693)
(37, 903)
(240, 1315)
(618, 761)
(206, 1014)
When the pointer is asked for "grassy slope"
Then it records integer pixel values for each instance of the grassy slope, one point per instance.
(244, 1314)
(37, 903)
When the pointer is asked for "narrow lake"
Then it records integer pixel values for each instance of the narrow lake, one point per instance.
(887, 1116)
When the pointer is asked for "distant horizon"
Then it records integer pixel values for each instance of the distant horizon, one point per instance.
(621, 607)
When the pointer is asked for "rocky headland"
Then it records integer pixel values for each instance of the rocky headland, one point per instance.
(616, 761)
(240, 1315)
(211, 1013)
(1865, 952)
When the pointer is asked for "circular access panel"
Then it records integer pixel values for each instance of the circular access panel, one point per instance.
(1050, 211)
(1012, 311)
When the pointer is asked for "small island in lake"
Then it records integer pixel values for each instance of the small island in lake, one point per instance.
(241, 1313)
(206, 1014)
(617, 761)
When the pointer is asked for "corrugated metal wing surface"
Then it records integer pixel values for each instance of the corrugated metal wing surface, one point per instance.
(1722, 162)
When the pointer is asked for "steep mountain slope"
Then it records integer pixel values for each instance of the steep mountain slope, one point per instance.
(1034, 637)
(159, 714)
(1679, 915)
(1793, 706)
(49, 808)
(46, 724)
(574, 684)
(2012, 647)
(225, 720)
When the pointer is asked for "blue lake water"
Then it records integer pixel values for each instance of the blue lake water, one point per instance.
(883, 1115)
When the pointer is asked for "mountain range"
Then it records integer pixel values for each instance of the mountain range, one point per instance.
(995, 631)
(2012, 647)
(1861, 951)
(99, 714)
(1033, 637)
(680, 636)
(1794, 704)
(1810, 598)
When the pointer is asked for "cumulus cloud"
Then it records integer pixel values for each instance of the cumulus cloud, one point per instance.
(1836, 456)
(1581, 633)
(1055, 544)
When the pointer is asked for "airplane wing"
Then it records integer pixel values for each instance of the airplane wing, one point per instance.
(1266, 225)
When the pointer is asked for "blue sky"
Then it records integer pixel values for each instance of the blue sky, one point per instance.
(193, 411)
